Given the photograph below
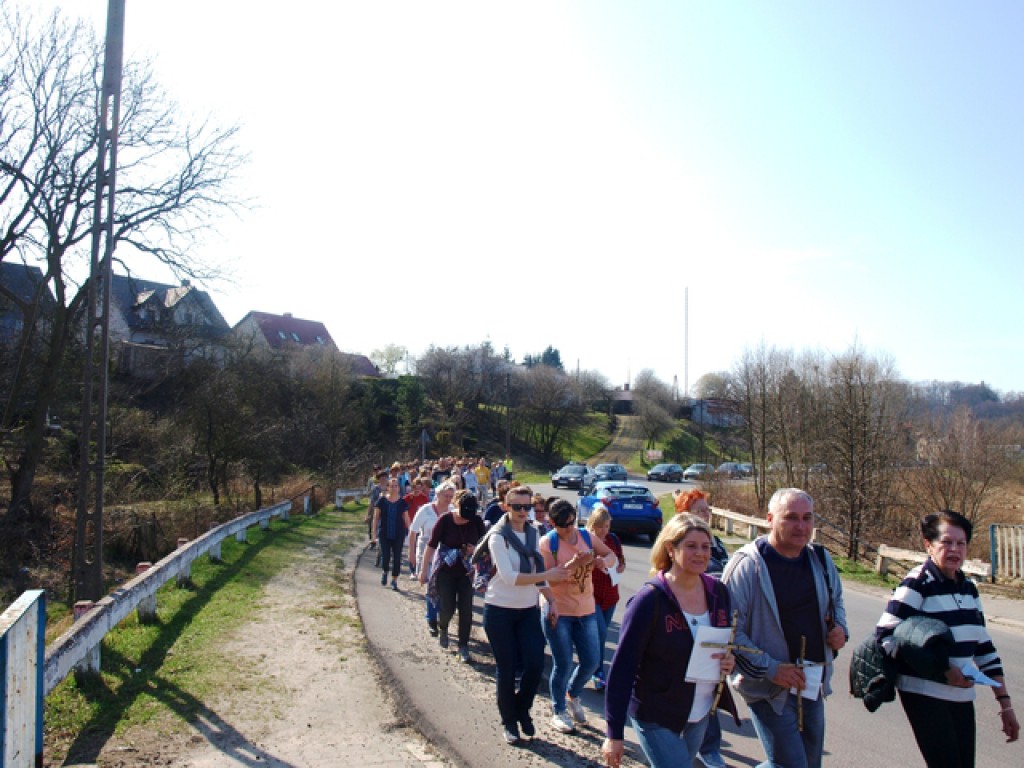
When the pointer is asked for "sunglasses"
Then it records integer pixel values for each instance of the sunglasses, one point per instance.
(521, 507)
(566, 523)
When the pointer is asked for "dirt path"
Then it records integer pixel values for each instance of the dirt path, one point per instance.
(625, 444)
(306, 690)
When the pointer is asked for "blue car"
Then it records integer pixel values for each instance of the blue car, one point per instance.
(634, 509)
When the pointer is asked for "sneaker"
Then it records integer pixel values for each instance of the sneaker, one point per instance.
(511, 735)
(383, 579)
(560, 722)
(526, 724)
(394, 585)
(712, 759)
(575, 707)
(443, 642)
(433, 628)
(464, 654)
(598, 682)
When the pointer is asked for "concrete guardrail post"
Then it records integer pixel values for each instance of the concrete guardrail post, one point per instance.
(90, 664)
(22, 662)
(147, 606)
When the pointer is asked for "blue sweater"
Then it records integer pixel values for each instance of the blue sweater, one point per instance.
(647, 674)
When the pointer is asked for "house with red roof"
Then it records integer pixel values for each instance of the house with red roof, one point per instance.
(284, 333)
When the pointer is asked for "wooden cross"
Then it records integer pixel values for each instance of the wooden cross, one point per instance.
(727, 647)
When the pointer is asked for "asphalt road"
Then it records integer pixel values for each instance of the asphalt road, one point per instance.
(854, 736)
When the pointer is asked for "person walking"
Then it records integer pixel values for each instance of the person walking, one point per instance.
(606, 592)
(419, 534)
(695, 502)
(453, 539)
(391, 523)
(647, 677)
(573, 626)
(789, 599)
(512, 618)
(941, 711)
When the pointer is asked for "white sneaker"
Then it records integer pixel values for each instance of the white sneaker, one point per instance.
(575, 707)
(560, 722)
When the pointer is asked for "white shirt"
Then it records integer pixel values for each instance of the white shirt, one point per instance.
(502, 589)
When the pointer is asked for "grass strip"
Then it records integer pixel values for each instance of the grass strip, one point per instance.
(159, 674)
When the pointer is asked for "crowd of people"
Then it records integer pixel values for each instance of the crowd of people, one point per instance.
(471, 528)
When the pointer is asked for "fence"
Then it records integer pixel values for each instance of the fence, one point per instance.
(23, 628)
(22, 638)
(1007, 545)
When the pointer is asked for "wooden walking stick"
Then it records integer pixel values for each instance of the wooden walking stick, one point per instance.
(799, 694)
(721, 674)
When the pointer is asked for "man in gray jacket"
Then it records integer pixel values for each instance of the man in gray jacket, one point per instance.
(789, 601)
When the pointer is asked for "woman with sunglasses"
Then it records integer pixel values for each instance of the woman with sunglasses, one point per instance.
(573, 624)
(511, 611)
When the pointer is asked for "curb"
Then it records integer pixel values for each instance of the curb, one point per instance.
(396, 692)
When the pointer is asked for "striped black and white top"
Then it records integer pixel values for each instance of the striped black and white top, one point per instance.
(955, 602)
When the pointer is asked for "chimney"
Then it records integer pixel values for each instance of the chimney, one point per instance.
(287, 314)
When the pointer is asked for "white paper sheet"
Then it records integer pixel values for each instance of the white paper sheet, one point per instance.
(702, 667)
(812, 681)
(971, 672)
(614, 575)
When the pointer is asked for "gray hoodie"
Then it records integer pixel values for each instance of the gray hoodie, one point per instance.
(759, 625)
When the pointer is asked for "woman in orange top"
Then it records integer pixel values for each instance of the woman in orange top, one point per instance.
(575, 625)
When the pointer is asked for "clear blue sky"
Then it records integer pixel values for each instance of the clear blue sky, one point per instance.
(540, 172)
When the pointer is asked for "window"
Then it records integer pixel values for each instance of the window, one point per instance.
(295, 336)
(282, 335)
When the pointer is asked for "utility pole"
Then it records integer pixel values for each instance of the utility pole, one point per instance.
(92, 440)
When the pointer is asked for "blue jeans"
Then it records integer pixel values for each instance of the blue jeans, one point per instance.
(604, 620)
(571, 632)
(712, 736)
(517, 643)
(784, 744)
(666, 748)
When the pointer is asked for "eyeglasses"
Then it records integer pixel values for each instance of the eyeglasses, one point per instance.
(521, 507)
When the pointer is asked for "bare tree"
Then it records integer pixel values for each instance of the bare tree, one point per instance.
(961, 461)
(388, 357)
(867, 414)
(172, 178)
(553, 405)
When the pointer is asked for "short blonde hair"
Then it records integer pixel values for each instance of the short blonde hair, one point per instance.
(599, 515)
(675, 530)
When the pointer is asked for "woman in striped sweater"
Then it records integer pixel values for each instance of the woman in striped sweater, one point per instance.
(941, 713)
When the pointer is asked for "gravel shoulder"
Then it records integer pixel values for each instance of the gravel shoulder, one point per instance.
(307, 691)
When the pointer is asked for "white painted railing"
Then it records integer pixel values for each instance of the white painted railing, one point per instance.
(22, 651)
(1007, 545)
(887, 554)
(22, 633)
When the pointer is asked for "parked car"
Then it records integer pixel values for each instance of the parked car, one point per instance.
(728, 470)
(573, 476)
(698, 472)
(610, 472)
(746, 469)
(634, 509)
(667, 473)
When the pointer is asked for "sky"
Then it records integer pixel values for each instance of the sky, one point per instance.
(532, 173)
